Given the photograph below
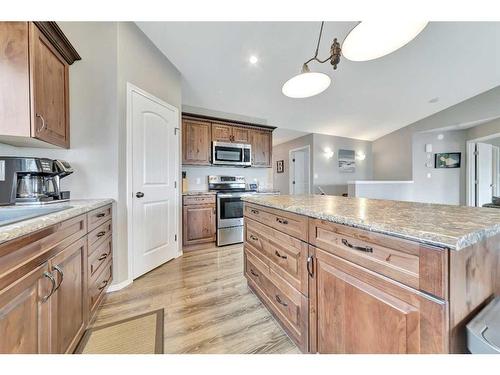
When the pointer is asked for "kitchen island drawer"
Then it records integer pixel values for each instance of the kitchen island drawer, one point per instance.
(410, 263)
(286, 255)
(99, 285)
(99, 257)
(189, 200)
(99, 233)
(99, 216)
(289, 223)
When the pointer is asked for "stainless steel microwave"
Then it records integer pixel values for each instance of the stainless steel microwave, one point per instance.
(237, 154)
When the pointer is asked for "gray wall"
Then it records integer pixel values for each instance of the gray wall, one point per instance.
(446, 186)
(281, 181)
(490, 128)
(326, 171)
(393, 152)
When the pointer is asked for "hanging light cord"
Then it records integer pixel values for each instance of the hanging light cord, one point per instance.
(335, 51)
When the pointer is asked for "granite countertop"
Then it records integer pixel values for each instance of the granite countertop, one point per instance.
(21, 228)
(199, 192)
(453, 227)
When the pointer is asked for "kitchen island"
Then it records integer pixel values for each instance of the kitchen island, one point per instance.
(355, 275)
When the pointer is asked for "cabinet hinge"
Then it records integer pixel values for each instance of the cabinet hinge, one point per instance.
(175, 131)
(175, 184)
(293, 160)
(175, 237)
(476, 153)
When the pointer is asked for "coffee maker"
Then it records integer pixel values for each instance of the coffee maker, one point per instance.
(32, 180)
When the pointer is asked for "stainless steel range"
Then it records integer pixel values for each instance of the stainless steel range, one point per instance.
(229, 189)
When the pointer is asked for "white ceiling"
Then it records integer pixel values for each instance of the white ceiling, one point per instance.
(449, 60)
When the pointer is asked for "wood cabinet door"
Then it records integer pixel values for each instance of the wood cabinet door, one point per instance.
(50, 92)
(199, 224)
(222, 133)
(261, 141)
(14, 81)
(24, 319)
(358, 314)
(68, 304)
(196, 142)
(239, 135)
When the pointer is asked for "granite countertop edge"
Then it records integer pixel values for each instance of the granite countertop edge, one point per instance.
(426, 238)
(78, 207)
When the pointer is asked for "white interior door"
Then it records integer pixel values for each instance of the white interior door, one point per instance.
(154, 193)
(496, 171)
(299, 171)
(484, 173)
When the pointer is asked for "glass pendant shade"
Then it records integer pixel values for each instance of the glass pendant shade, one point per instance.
(306, 84)
(370, 40)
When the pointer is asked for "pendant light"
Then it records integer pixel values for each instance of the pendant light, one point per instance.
(368, 40)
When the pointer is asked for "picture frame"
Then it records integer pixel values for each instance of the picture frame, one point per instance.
(447, 160)
(347, 161)
(280, 166)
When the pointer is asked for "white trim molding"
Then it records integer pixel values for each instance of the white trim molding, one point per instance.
(118, 286)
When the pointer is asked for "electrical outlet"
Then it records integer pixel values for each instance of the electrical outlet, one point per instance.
(198, 180)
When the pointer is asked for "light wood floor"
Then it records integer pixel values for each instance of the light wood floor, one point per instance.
(208, 306)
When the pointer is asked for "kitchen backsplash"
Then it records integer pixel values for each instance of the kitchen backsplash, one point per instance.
(198, 176)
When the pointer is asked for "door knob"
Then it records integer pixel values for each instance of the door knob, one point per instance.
(139, 194)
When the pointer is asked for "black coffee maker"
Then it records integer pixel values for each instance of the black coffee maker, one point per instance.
(32, 180)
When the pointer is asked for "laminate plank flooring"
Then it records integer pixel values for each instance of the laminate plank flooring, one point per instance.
(208, 305)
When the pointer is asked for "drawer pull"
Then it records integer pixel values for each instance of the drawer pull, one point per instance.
(256, 212)
(100, 234)
(53, 282)
(103, 285)
(281, 221)
(276, 252)
(366, 249)
(310, 265)
(60, 272)
(102, 214)
(103, 256)
(253, 273)
(278, 299)
(253, 238)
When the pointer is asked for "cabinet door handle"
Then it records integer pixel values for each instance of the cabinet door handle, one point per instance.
(102, 214)
(278, 299)
(43, 122)
(103, 285)
(103, 256)
(253, 238)
(100, 234)
(366, 249)
(256, 212)
(253, 273)
(310, 265)
(53, 282)
(276, 252)
(281, 221)
(60, 272)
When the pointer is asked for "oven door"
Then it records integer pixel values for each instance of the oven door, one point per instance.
(229, 210)
(230, 154)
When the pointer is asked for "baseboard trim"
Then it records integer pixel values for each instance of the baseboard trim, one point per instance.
(115, 287)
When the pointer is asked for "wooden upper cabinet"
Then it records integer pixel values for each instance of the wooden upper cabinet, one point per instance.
(196, 142)
(24, 327)
(69, 302)
(34, 66)
(360, 312)
(50, 92)
(221, 133)
(261, 141)
(240, 135)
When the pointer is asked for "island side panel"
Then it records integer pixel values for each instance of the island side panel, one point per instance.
(474, 281)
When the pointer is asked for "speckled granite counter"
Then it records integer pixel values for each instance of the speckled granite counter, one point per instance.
(194, 192)
(77, 207)
(453, 227)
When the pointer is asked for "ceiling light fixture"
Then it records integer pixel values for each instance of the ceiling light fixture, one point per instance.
(253, 59)
(366, 41)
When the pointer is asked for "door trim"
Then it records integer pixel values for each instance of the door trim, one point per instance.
(129, 160)
(290, 185)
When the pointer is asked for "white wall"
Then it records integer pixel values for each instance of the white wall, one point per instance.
(446, 186)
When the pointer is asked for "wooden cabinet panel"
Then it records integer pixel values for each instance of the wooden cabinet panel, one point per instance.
(358, 311)
(99, 216)
(97, 288)
(199, 224)
(240, 135)
(68, 304)
(221, 133)
(261, 141)
(50, 92)
(24, 313)
(196, 142)
(98, 234)
(189, 200)
(14, 82)
(100, 256)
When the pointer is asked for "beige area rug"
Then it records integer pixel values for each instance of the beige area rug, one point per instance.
(141, 334)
